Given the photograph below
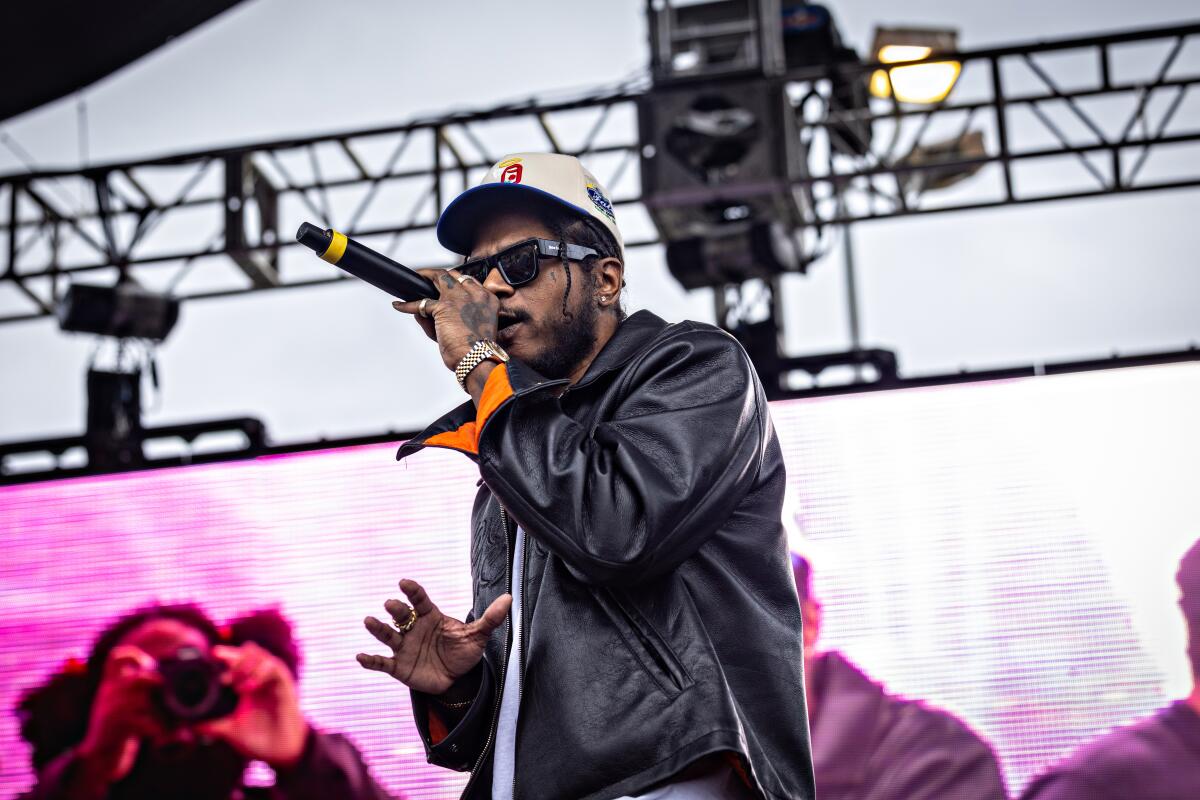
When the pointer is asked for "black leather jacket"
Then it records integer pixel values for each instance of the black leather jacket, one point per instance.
(660, 621)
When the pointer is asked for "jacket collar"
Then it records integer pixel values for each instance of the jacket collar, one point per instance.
(630, 338)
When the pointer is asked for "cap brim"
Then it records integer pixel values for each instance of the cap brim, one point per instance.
(458, 227)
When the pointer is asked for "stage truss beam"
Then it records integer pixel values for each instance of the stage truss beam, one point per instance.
(1115, 114)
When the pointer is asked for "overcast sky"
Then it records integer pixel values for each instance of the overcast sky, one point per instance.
(979, 289)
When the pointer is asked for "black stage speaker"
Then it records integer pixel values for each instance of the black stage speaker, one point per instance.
(720, 154)
(114, 420)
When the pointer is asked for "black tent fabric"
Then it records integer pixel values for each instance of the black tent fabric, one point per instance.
(55, 47)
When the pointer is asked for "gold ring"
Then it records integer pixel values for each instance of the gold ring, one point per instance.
(408, 623)
(421, 307)
(462, 278)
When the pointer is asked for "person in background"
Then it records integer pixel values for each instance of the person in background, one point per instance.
(1157, 758)
(870, 745)
(101, 729)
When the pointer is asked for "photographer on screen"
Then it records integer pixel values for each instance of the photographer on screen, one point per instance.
(169, 705)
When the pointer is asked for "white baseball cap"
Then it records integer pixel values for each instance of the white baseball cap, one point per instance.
(523, 179)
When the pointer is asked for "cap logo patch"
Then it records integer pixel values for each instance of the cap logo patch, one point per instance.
(511, 170)
(600, 201)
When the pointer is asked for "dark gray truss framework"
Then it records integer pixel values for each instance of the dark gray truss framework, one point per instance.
(1074, 118)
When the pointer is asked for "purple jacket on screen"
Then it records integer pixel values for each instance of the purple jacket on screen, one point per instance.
(1157, 758)
(869, 745)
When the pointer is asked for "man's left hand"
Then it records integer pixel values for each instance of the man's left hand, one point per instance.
(464, 314)
(267, 724)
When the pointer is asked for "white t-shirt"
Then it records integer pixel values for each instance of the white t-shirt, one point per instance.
(718, 785)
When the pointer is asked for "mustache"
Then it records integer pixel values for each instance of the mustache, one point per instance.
(511, 316)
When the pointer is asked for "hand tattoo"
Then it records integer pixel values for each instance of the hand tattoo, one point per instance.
(479, 318)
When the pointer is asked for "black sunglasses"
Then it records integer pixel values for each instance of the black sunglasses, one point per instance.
(518, 264)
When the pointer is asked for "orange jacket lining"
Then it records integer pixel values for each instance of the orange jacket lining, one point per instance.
(495, 391)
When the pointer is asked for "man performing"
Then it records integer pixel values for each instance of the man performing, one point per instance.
(870, 745)
(633, 623)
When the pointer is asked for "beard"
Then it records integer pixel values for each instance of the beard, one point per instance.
(572, 336)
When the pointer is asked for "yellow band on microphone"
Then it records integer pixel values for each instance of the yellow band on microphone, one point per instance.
(337, 248)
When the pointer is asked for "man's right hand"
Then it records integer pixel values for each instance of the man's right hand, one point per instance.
(436, 650)
(123, 714)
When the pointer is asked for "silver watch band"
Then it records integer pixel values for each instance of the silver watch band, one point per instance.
(481, 351)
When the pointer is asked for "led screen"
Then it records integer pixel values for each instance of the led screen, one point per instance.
(1002, 550)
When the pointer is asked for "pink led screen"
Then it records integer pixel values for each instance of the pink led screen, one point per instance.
(1002, 550)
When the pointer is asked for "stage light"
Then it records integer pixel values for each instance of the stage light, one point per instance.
(915, 83)
(734, 254)
(811, 39)
(125, 311)
(941, 164)
(114, 420)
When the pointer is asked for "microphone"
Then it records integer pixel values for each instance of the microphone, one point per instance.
(363, 262)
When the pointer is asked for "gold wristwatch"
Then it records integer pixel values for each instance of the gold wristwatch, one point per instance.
(483, 350)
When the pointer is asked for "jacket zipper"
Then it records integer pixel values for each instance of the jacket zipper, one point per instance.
(503, 669)
(521, 641)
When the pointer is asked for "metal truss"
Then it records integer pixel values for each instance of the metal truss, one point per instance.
(1066, 119)
(219, 222)
(249, 434)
